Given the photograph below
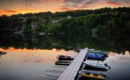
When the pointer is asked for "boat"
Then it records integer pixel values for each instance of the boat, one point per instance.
(105, 54)
(62, 63)
(96, 55)
(87, 65)
(63, 57)
(89, 75)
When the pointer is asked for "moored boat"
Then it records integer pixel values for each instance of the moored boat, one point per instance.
(89, 75)
(62, 62)
(96, 55)
(95, 66)
(63, 57)
(105, 54)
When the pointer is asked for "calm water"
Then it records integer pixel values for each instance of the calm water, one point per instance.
(28, 64)
(32, 57)
(39, 64)
(120, 66)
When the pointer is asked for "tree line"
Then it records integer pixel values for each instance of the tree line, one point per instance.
(111, 24)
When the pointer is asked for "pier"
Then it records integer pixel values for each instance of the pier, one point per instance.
(72, 70)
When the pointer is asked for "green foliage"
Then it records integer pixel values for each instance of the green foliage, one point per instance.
(27, 29)
(112, 24)
(53, 28)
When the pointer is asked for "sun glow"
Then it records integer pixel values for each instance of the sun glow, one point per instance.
(19, 11)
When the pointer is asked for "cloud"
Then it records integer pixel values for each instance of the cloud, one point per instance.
(32, 6)
(66, 9)
(80, 4)
(118, 1)
(86, 4)
(112, 3)
(28, 1)
(17, 11)
(9, 11)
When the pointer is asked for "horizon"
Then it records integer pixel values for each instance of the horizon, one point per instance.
(37, 6)
(59, 11)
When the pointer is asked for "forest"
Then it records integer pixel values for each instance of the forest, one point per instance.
(106, 24)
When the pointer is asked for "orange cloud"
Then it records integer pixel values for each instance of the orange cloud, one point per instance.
(23, 11)
(112, 3)
(4, 12)
(18, 11)
(9, 11)
(66, 9)
(77, 8)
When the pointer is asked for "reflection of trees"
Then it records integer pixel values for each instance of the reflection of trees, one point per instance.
(111, 27)
(67, 42)
(9, 40)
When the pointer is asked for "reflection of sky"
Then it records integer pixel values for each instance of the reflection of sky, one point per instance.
(120, 66)
(32, 64)
(27, 63)
(9, 7)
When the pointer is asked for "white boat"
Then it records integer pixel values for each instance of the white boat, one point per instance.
(95, 66)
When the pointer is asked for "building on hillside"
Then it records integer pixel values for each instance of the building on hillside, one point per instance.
(33, 24)
(54, 20)
(69, 17)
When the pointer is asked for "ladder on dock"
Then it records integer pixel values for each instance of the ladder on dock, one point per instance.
(72, 70)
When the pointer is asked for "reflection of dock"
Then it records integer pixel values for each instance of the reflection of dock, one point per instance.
(72, 70)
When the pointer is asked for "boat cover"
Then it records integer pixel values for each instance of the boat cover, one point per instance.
(95, 56)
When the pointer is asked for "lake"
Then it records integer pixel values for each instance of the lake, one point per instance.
(31, 64)
(33, 57)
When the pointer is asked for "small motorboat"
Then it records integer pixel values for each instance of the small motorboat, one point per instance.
(87, 65)
(1, 52)
(62, 63)
(89, 75)
(63, 57)
(96, 55)
(105, 54)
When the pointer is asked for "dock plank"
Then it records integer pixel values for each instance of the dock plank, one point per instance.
(71, 71)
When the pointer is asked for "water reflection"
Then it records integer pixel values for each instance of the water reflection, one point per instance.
(67, 42)
(120, 64)
(30, 64)
(33, 57)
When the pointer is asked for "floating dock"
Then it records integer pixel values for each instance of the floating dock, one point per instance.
(72, 70)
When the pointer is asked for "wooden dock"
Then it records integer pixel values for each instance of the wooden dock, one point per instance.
(72, 70)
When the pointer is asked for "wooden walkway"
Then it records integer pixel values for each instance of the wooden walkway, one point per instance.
(71, 71)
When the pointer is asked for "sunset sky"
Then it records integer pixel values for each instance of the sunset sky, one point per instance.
(9, 7)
